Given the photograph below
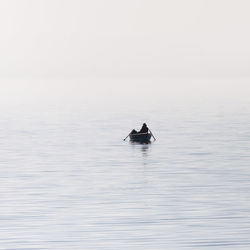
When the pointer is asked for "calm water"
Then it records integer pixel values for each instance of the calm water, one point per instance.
(69, 181)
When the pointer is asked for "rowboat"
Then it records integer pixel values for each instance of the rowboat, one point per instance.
(140, 137)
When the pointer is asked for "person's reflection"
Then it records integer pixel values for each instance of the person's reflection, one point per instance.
(144, 149)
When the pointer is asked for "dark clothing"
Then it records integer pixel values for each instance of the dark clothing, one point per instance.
(133, 131)
(144, 129)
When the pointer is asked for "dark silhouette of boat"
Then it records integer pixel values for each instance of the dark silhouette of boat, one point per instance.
(140, 137)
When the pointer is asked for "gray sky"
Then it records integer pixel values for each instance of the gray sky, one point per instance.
(77, 38)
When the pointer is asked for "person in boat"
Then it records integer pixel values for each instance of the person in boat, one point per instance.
(144, 129)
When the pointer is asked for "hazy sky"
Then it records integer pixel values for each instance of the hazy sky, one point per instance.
(180, 38)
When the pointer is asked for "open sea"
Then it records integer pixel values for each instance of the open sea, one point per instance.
(69, 181)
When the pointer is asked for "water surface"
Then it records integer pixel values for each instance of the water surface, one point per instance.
(69, 181)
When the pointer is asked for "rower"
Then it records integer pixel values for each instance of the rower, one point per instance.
(144, 128)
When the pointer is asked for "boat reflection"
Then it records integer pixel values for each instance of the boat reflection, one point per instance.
(144, 147)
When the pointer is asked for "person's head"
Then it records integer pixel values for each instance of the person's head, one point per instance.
(144, 125)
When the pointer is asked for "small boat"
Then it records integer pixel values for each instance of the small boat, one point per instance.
(140, 137)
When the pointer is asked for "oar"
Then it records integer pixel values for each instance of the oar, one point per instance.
(152, 134)
(127, 136)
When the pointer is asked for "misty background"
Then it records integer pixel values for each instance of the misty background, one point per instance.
(111, 51)
(111, 38)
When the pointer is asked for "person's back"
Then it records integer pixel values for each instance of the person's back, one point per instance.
(144, 128)
(133, 132)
